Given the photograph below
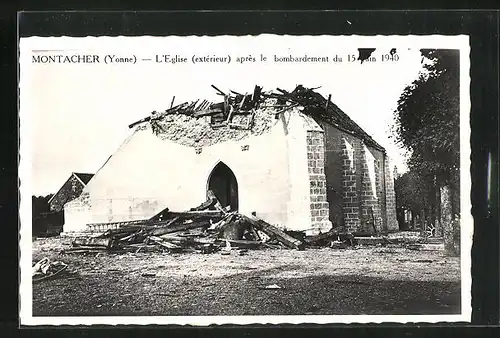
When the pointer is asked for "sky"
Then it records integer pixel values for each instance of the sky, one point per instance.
(79, 114)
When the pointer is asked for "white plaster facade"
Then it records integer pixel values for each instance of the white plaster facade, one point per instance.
(148, 174)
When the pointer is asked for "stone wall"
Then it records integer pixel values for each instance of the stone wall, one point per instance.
(357, 179)
(390, 196)
(350, 187)
(317, 180)
(370, 201)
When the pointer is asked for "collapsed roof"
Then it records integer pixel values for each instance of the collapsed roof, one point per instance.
(239, 115)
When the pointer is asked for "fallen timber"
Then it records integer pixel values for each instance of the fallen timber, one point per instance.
(206, 228)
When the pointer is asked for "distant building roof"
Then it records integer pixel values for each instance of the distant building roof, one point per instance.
(85, 178)
(82, 177)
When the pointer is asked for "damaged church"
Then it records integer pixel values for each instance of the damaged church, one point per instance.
(293, 158)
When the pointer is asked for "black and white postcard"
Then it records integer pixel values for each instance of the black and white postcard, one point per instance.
(244, 179)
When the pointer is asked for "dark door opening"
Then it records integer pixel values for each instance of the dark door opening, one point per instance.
(223, 183)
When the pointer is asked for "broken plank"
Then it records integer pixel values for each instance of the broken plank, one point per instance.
(236, 93)
(217, 204)
(179, 227)
(218, 90)
(164, 243)
(205, 205)
(219, 125)
(334, 232)
(128, 237)
(206, 112)
(238, 126)
(121, 231)
(226, 106)
(146, 119)
(84, 250)
(118, 224)
(92, 242)
(242, 102)
(159, 216)
(230, 114)
(240, 243)
(256, 94)
(198, 213)
(328, 102)
(250, 120)
(271, 230)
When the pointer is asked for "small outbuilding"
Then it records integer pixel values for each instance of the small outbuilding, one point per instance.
(70, 190)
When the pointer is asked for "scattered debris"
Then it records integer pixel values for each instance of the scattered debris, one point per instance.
(271, 287)
(210, 228)
(337, 235)
(148, 274)
(45, 269)
(207, 228)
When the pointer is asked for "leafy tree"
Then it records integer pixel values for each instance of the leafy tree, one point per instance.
(427, 117)
(40, 205)
(427, 125)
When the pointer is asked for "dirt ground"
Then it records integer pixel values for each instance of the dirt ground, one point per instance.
(353, 281)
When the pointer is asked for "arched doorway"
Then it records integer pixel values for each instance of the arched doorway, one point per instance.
(223, 183)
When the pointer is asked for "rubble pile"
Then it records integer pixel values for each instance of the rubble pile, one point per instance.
(206, 228)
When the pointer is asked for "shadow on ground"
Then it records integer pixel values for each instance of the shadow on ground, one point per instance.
(125, 294)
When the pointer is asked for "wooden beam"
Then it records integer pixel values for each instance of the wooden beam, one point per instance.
(159, 216)
(164, 243)
(92, 242)
(328, 102)
(146, 119)
(197, 214)
(230, 114)
(206, 112)
(179, 227)
(218, 90)
(217, 204)
(273, 231)
(232, 91)
(205, 205)
(326, 235)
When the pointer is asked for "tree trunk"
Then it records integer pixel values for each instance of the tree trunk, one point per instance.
(455, 209)
(439, 224)
(422, 222)
(446, 221)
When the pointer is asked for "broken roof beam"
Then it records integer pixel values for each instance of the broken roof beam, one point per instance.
(328, 102)
(168, 111)
(207, 112)
(220, 92)
(197, 214)
(236, 93)
(273, 231)
(180, 227)
(200, 106)
(256, 94)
